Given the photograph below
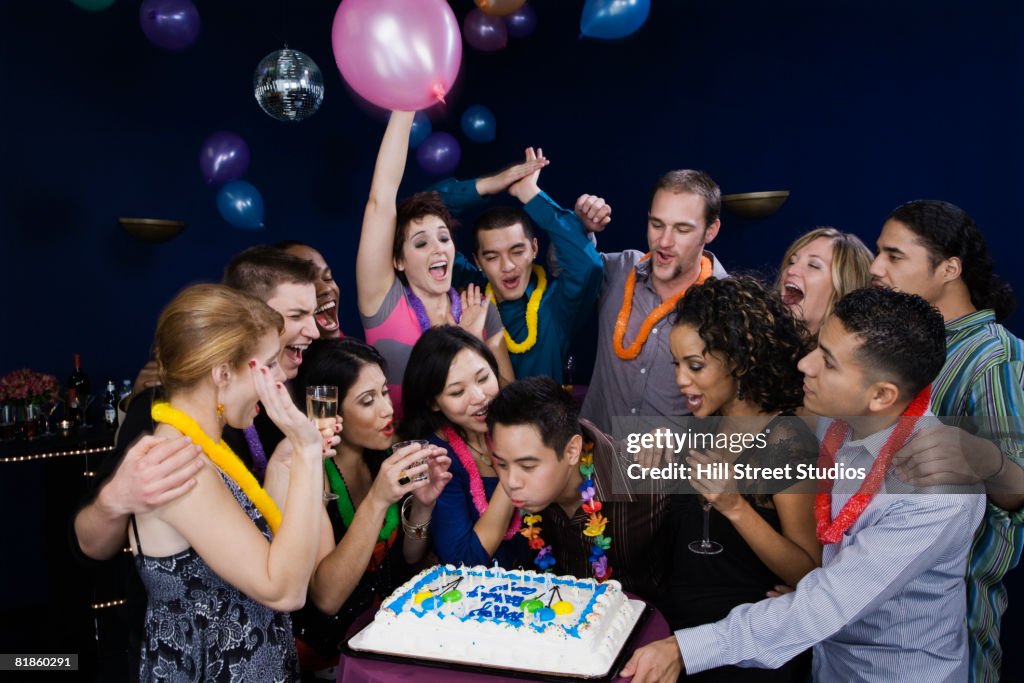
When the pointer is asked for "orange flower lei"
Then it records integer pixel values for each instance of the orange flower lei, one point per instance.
(633, 350)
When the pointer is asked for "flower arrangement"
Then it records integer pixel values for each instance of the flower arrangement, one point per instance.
(25, 387)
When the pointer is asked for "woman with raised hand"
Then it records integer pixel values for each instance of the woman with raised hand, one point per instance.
(221, 565)
(449, 383)
(735, 347)
(381, 514)
(405, 260)
(819, 269)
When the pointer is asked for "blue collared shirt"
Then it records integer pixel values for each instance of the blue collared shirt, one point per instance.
(887, 605)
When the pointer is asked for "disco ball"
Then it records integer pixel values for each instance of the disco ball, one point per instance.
(288, 85)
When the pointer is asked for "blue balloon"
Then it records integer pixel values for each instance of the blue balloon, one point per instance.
(521, 22)
(610, 19)
(241, 205)
(478, 124)
(421, 128)
(439, 154)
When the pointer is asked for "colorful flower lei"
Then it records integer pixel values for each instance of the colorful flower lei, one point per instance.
(224, 458)
(421, 312)
(532, 310)
(832, 530)
(618, 338)
(596, 525)
(344, 502)
(476, 483)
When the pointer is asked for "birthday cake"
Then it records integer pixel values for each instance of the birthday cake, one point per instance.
(514, 619)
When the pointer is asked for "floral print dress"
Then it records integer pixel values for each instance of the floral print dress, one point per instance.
(200, 628)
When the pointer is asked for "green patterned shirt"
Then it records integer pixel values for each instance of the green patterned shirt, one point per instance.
(984, 376)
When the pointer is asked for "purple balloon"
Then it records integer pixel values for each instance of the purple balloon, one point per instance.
(170, 24)
(224, 156)
(521, 22)
(485, 32)
(439, 154)
(398, 54)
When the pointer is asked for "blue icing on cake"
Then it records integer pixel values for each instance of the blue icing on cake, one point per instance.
(493, 616)
(496, 595)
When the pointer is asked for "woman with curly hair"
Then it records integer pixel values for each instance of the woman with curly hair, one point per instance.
(735, 346)
(818, 269)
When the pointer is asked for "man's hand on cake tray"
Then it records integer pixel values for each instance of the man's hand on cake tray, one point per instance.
(658, 662)
(154, 471)
(721, 491)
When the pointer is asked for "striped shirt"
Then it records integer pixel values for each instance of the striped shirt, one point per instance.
(984, 376)
(635, 524)
(887, 604)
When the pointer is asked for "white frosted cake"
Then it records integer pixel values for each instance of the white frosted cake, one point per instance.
(507, 619)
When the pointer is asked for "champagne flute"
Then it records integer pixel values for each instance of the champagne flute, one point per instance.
(706, 546)
(322, 408)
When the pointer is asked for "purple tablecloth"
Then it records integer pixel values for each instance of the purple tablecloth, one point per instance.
(360, 670)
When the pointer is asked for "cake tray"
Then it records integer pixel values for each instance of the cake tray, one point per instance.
(641, 611)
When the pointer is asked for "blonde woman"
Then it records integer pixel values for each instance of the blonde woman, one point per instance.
(818, 269)
(221, 567)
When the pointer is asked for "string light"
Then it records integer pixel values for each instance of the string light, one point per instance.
(109, 603)
(57, 454)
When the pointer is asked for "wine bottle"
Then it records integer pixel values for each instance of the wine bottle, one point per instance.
(79, 381)
(72, 409)
(110, 406)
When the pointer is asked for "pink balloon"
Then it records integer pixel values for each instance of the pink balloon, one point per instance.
(398, 54)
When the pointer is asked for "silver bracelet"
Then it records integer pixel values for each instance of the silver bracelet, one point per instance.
(419, 532)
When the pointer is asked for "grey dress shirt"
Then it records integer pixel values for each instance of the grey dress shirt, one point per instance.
(888, 604)
(644, 386)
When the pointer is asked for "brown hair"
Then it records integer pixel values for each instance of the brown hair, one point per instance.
(851, 262)
(419, 205)
(207, 325)
(259, 270)
(694, 182)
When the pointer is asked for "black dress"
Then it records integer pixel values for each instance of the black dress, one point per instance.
(703, 588)
(198, 627)
(385, 571)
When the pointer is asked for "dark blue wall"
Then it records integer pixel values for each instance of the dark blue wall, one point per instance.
(854, 105)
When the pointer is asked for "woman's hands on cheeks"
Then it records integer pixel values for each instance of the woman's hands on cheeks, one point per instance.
(297, 428)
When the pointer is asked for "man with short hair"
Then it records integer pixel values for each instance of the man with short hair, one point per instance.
(888, 603)
(934, 249)
(152, 471)
(544, 454)
(540, 311)
(633, 373)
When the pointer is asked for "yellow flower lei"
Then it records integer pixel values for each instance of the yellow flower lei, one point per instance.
(532, 309)
(224, 458)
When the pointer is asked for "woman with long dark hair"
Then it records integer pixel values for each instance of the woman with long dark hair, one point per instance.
(449, 382)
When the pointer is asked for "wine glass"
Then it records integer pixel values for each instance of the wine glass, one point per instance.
(706, 546)
(322, 408)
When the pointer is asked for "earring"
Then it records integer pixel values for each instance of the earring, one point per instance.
(220, 413)
(739, 390)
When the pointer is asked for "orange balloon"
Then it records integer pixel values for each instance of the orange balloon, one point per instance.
(499, 8)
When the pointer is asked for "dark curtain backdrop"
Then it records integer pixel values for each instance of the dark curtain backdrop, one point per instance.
(855, 106)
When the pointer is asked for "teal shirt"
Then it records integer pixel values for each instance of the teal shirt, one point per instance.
(984, 377)
(569, 297)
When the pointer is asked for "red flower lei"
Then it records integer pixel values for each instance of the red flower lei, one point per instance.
(832, 531)
(476, 484)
